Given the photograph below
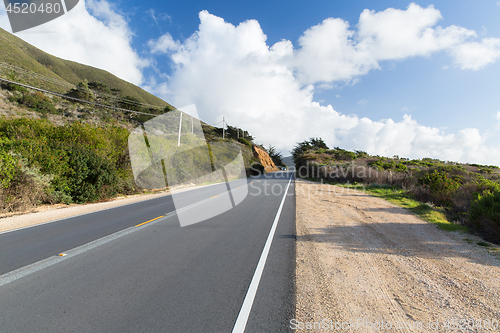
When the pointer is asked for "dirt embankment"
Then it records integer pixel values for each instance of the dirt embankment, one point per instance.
(365, 265)
(264, 159)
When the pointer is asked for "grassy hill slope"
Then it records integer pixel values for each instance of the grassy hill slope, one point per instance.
(15, 51)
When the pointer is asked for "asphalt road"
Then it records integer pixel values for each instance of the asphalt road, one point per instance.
(158, 277)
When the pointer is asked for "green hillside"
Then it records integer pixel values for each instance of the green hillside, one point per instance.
(17, 52)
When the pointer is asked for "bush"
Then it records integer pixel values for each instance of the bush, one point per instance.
(440, 186)
(38, 102)
(75, 162)
(14, 87)
(82, 91)
(8, 168)
(245, 142)
(256, 169)
(485, 214)
(89, 175)
(26, 188)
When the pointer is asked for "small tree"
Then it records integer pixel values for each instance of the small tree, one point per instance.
(303, 147)
(82, 91)
(275, 156)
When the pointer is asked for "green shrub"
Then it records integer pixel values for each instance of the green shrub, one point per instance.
(440, 185)
(14, 87)
(245, 142)
(256, 168)
(82, 91)
(485, 214)
(8, 168)
(486, 185)
(84, 162)
(401, 168)
(88, 175)
(38, 102)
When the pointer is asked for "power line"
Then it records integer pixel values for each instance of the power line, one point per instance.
(74, 98)
(89, 102)
(68, 85)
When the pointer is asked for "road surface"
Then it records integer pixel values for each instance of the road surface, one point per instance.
(157, 277)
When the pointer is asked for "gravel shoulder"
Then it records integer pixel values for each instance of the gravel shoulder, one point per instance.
(370, 266)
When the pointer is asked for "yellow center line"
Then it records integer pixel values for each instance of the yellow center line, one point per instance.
(213, 196)
(159, 217)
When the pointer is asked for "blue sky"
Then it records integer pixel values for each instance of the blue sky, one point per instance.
(388, 77)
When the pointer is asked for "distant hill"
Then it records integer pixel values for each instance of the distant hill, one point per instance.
(288, 160)
(15, 51)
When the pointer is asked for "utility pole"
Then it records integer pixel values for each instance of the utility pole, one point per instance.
(238, 132)
(223, 128)
(180, 127)
(192, 126)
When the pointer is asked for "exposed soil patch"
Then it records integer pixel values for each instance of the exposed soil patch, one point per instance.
(365, 263)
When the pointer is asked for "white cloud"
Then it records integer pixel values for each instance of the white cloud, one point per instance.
(329, 53)
(230, 70)
(332, 51)
(476, 55)
(498, 115)
(164, 44)
(93, 33)
(399, 34)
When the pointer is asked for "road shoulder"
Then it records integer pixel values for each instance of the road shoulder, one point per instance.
(362, 261)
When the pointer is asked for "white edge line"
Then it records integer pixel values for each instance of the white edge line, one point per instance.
(32, 268)
(241, 321)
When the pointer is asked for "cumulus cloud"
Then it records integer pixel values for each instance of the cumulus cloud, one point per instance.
(93, 33)
(398, 34)
(269, 90)
(332, 50)
(476, 55)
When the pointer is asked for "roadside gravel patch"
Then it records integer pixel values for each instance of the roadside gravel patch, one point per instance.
(365, 263)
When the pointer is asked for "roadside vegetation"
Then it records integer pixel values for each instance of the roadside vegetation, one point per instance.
(55, 157)
(74, 148)
(453, 195)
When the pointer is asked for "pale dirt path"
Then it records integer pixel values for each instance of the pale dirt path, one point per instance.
(362, 258)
